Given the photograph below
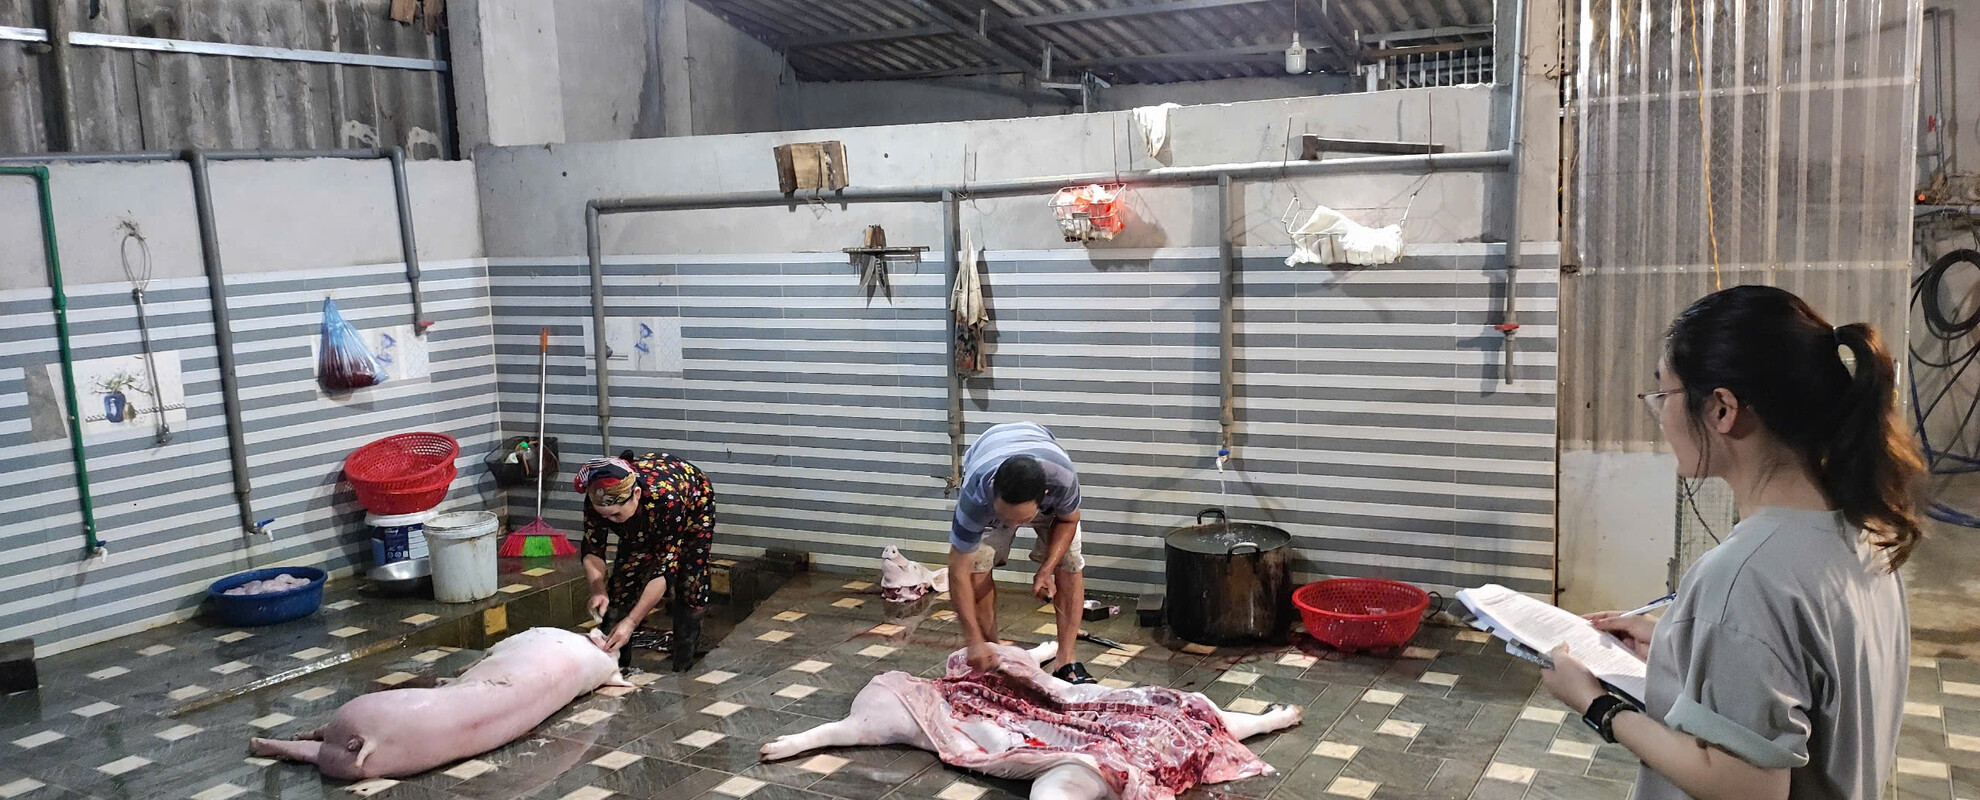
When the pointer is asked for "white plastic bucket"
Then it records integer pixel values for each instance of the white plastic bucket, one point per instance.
(463, 549)
(398, 537)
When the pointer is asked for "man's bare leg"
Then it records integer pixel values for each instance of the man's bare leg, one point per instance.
(1069, 609)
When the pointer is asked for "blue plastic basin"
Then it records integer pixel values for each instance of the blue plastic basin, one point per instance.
(248, 611)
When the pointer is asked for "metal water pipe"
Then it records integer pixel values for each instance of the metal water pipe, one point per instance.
(51, 255)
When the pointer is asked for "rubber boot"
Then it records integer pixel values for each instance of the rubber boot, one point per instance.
(687, 636)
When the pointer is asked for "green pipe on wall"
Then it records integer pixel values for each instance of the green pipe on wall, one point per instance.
(91, 544)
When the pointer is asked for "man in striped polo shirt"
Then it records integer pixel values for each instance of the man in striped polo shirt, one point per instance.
(1016, 475)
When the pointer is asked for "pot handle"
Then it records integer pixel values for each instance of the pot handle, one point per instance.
(1221, 516)
(1232, 550)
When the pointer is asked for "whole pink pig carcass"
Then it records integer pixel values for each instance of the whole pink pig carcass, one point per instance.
(389, 734)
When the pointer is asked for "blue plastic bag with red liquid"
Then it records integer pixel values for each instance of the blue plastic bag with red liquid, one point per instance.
(345, 362)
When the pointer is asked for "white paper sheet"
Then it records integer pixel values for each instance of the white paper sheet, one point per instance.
(1515, 617)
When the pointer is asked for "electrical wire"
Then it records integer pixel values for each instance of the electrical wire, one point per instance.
(1705, 147)
(1929, 294)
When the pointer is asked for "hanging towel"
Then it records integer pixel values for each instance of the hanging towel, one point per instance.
(1329, 237)
(1153, 124)
(966, 303)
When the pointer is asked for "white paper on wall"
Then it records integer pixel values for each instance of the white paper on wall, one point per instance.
(639, 345)
(402, 353)
(119, 397)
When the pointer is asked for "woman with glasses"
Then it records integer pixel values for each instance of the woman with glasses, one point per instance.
(1779, 670)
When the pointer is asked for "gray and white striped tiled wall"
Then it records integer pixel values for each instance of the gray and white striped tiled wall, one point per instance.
(167, 512)
(1372, 421)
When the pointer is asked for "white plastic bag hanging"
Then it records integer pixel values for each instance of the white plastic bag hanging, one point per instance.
(1329, 237)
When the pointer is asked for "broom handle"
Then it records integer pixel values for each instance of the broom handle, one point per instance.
(542, 399)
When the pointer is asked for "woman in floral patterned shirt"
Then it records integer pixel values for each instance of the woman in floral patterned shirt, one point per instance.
(663, 510)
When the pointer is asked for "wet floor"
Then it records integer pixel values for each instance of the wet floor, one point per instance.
(167, 713)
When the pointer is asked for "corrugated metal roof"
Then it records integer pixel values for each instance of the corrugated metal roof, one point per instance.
(1128, 41)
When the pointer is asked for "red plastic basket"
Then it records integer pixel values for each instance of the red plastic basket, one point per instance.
(385, 502)
(401, 462)
(1356, 614)
(404, 473)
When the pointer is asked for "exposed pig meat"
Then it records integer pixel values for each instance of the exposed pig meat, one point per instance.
(1147, 743)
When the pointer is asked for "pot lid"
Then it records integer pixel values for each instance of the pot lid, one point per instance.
(1221, 538)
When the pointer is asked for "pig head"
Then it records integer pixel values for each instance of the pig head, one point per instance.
(389, 734)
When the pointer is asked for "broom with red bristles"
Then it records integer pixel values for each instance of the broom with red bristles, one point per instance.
(538, 538)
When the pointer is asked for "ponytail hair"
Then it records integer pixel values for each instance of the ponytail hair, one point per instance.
(1873, 465)
(1785, 363)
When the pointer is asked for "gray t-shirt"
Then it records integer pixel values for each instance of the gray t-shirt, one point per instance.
(1788, 646)
(974, 511)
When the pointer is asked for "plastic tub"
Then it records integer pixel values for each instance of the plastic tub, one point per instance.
(398, 537)
(250, 610)
(462, 548)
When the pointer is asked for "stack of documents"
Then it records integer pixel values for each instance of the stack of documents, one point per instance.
(1532, 629)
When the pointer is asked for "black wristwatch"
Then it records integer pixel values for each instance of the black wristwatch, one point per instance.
(1601, 715)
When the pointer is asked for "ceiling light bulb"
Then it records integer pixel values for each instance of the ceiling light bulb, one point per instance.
(1296, 56)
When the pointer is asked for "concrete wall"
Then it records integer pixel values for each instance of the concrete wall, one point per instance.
(867, 103)
(522, 188)
(507, 78)
(852, 104)
(607, 70)
(733, 80)
(270, 217)
(1617, 528)
(292, 234)
(604, 68)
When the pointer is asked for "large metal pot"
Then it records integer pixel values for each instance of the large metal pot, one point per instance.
(1228, 582)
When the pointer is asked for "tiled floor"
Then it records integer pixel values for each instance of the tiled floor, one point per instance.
(1450, 718)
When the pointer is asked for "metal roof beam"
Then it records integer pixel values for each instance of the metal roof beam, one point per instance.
(829, 39)
(1249, 53)
(963, 17)
(1340, 49)
(1426, 33)
(1001, 22)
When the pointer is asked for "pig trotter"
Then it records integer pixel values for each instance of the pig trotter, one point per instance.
(305, 752)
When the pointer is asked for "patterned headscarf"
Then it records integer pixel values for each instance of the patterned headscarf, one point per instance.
(607, 481)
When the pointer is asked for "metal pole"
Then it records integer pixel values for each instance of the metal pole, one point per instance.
(591, 212)
(1489, 160)
(1226, 297)
(223, 339)
(1509, 326)
(410, 247)
(950, 226)
(62, 131)
(60, 300)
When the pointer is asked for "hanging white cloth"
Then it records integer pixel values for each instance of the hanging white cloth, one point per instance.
(966, 303)
(966, 298)
(1328, 237)
(1152, 122)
